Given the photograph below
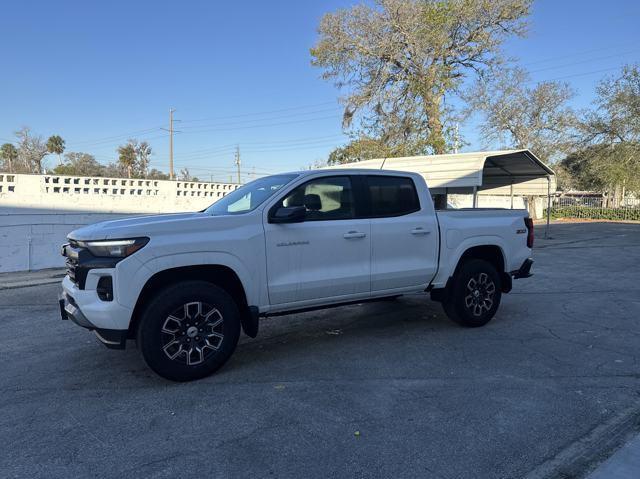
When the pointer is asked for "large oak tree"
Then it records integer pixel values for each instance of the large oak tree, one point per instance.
(399, 59)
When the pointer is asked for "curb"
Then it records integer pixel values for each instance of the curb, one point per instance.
(589, 451)
(26, 284)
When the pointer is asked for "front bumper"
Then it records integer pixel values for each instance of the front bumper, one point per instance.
(86, 310)
(101, 314)
(69, 310)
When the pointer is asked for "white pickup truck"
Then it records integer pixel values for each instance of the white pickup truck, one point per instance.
(184, 285)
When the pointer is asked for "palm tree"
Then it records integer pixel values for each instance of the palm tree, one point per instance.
(55, 144)
(127, 157)
(9, 155)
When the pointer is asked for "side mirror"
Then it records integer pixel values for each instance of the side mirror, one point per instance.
(291, 214)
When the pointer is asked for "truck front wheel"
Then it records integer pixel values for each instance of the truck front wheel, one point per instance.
(189, 330)
(474, 294)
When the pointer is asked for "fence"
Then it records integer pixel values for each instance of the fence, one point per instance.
(38, 211)
(595, 207)
(107, 195)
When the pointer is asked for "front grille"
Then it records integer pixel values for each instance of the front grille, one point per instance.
(71, 270)
(72, 253)
(79, 261)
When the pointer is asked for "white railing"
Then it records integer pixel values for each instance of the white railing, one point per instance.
(107, 195)
(38, 211)
(7, 183)
(93, 185)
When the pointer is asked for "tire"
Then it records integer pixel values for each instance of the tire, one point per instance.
(474, 295)
(188, 330)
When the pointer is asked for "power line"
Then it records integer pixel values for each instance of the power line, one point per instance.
(297, 140)
(302, 107)
(257, 149)
(583, 61)
(290, 148)
(223, 149)
(112, 145)
(254, 152)
(195, 129)
(219, 169)
(109, 139)
(574, 75)
(575, 54)
(246, 123)
(266, 125)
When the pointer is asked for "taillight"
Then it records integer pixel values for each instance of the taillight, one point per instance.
(528, 222)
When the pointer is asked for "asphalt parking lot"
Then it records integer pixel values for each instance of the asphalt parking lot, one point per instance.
(391, 389)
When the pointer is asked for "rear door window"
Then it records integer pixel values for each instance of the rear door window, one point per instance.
(392, 196)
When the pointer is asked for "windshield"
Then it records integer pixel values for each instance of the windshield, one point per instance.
(250, 196)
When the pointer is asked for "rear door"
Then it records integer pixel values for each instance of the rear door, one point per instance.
(327, 255)
(404, 234)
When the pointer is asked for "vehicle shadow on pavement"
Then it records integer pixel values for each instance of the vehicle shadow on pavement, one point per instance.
(307, 340)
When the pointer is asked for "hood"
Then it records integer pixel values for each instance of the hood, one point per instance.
(139, 226)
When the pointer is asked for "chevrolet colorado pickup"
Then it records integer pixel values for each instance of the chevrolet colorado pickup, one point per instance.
(185, 285)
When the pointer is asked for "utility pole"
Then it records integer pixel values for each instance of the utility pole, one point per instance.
(456, 138)
(172, 175)
(238, 162)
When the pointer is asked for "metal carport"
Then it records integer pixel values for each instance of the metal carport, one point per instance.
(502, 172)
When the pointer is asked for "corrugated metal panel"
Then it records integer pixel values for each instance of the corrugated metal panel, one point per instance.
(532, 187)
(492, 171)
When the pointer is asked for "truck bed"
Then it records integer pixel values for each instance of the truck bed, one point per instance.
(464, 228)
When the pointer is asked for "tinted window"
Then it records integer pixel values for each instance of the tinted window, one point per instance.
(324, 199)
(392, 196)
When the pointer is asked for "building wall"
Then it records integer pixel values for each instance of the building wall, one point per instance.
(38, 211)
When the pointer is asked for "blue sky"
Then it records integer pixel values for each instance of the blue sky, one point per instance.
(98, 73)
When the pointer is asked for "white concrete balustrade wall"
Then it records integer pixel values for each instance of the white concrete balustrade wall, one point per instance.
(38, 211)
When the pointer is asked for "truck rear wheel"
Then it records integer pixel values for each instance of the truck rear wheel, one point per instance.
(189, 330)
(474, 294)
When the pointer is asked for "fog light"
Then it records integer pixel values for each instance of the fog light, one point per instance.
(105, 288)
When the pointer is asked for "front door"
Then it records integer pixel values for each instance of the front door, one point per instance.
(325, 256)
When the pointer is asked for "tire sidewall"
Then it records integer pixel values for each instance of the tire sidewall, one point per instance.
(456, 303)
(168, 300)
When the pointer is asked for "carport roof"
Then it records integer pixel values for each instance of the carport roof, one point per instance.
(485, 170)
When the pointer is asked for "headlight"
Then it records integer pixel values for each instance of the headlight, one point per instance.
(114, 248)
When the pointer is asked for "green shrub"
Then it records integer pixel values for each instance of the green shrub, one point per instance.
(588, 212)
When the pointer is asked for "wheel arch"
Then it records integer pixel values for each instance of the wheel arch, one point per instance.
(491, 253)
(220, 275)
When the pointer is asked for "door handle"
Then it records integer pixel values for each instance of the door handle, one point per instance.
(353, 235)
(420, 231)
